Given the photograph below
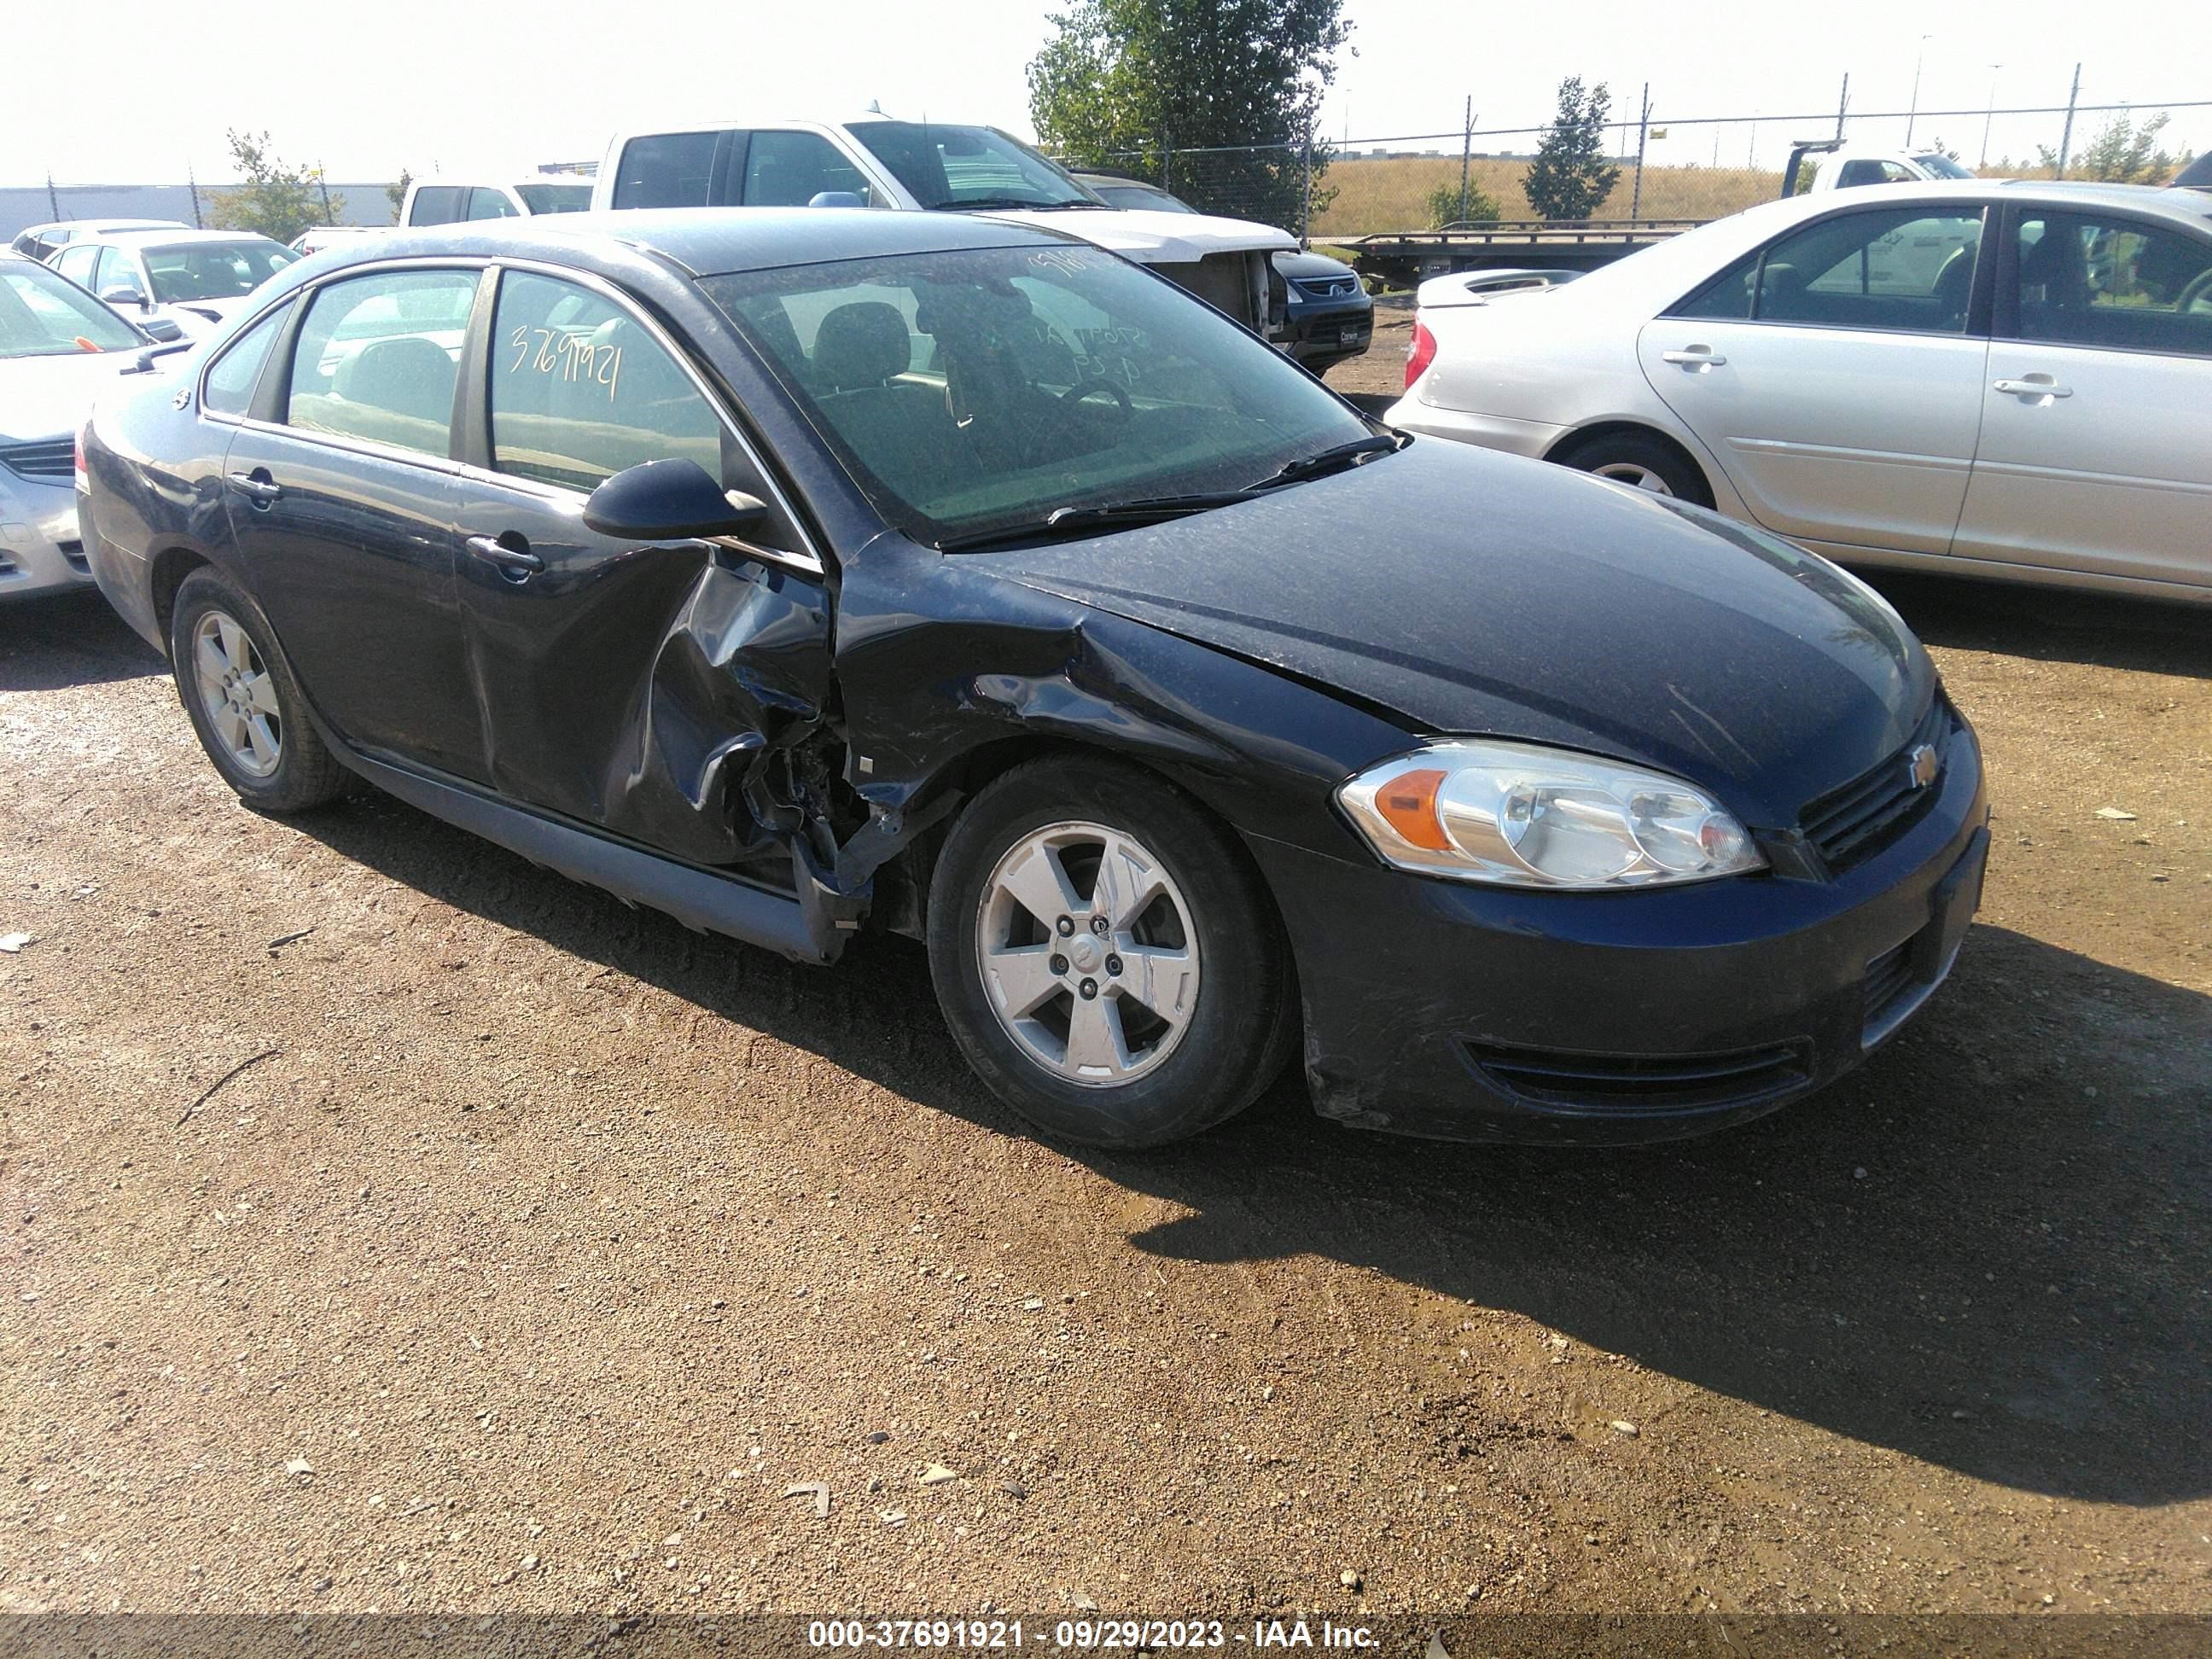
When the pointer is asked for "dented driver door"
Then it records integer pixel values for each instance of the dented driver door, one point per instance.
(640, 689)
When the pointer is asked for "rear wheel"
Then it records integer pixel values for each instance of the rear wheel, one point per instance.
(1640, 461)
(243, 701)
(1110, 963)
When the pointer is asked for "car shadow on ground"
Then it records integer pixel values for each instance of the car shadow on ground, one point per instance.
(70, 639)
(2052, 624)
(1988, 1249)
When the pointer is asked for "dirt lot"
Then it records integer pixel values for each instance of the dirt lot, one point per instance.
(544, 1244)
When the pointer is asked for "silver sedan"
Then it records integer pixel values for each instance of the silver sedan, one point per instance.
(2002, 378)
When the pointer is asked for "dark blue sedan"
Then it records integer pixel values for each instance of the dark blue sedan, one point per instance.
(802, 573)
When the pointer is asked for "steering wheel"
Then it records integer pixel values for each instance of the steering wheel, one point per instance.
(2199, 286)
(1082, 390)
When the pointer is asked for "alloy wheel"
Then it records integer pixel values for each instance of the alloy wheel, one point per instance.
(1634, 476)
(1088, 953)
(237, 694)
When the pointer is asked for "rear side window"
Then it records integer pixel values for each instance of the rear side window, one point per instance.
(485, 203)
(668, 169)
(77, 264)
(579, 390)
(376, 358)
(436, 204)
(789, 169)
(230, 383)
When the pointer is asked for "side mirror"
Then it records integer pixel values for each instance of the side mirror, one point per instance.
(846, 198)
(670, 501)
(124, 295)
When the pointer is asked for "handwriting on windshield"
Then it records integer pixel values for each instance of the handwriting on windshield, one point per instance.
(571, 357)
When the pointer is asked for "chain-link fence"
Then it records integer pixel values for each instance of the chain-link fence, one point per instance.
(1693, 168)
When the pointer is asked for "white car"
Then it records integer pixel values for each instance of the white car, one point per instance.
(873, 161)
(195, 279)
(2000, 378)
(451, 199)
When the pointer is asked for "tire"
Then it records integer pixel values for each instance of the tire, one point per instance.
(243, 701)
(1640, 461)
(1199, 938)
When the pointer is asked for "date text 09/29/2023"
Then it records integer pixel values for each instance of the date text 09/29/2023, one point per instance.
(1084, 1634)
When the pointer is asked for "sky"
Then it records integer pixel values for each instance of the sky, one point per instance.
(428, 84)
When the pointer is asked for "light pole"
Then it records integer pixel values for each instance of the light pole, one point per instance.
(1989, 114)
(1912, 115)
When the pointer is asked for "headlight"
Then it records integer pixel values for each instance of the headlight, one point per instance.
(1520, 815)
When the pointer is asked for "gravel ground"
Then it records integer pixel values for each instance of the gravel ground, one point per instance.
(540, 1246)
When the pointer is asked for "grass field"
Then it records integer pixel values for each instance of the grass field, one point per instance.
(1392, 194)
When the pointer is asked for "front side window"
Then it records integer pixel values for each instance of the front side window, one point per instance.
(486, 203)
(230, 382)
(2096, 280)
(1897, 269)
(541, 198)
(665, 170)
(968, 167)
(212, 271)
(966, 392)
(42, 316)
(581, 391)
(789, 169)
(376, 358)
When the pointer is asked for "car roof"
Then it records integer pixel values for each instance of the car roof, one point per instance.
(164, 237)
(494, 177)
(704, 241)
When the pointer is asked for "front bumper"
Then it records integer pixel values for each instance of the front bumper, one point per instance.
(41, 548)
(1317, 332)
(1469, 1013)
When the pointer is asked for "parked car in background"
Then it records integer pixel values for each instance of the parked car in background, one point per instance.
(873, 161)
(1328, 315)
(42, 242)
(800, 572)
(192, 278)
(2006, 379)
(59, 350)
(451, 199)
(1834, 164)
(318, 237)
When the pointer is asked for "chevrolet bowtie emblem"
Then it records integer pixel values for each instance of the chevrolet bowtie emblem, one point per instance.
(1921, 765)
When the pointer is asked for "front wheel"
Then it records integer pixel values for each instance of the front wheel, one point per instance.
(1107, 959)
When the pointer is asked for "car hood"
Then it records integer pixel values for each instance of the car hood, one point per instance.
(50, 396)
(1309, 266)
(1469, 591)
(1153, 238)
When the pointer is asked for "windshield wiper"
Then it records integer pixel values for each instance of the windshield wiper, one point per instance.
(1069, 521)
(1336, 460)
(996, 203)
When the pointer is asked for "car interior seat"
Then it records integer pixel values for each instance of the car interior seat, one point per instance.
(904, 428)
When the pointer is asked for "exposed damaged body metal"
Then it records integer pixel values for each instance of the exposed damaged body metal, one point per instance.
(772, 735)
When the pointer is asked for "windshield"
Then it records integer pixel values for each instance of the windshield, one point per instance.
(555, 198)
(1143, 197)
(43, 314)
(1942, 166)
(211, 271)
(968, 167)
(967, 391)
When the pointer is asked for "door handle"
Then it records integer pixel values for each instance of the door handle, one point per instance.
(1695, 357)
(2035, 385)
(257, 487)
(518, 563)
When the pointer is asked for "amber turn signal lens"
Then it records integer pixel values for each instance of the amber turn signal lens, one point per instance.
(1408, 804)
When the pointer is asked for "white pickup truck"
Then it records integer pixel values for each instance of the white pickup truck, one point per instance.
(872, 160)
(1839, 165)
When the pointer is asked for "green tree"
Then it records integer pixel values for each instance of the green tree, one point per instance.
(275, 199)
(1444, 206)
(1133, 83)
(397, 193)
(1571, 177)
(2122, 152)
